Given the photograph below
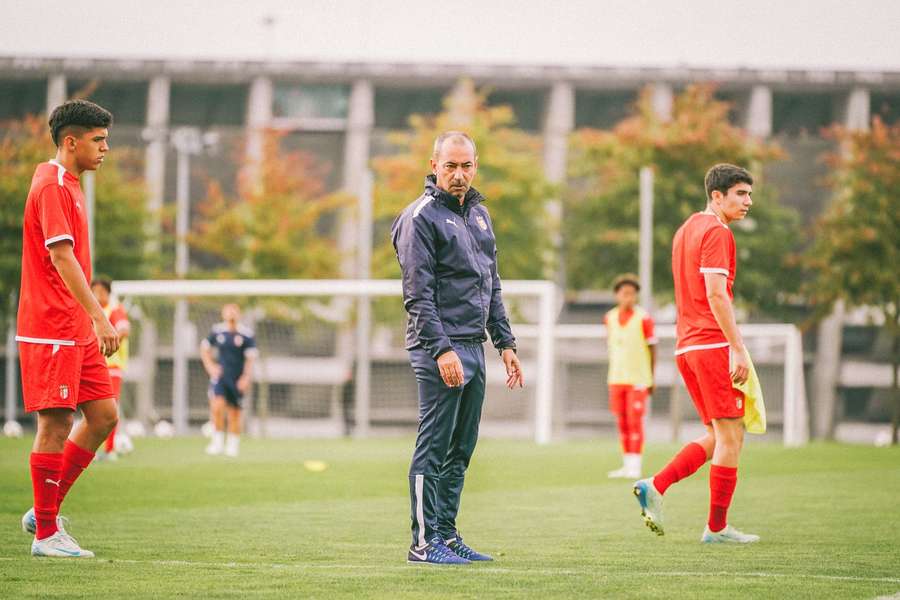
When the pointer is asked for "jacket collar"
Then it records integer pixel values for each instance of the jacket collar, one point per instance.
(472, 198)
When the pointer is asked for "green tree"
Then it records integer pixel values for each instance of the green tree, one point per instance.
(119, 237)
(601, 203)
(278, 226)
(857, 246)
(509, 175)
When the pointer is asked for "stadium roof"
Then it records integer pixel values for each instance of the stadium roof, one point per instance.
(764, 34)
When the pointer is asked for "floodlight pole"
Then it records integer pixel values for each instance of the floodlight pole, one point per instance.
(645, 248)
(187, 141)
(363, 388)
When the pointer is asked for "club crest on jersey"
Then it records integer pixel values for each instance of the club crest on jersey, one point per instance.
(481, 222)
(220, 338)
(64, 392)
(238, 341)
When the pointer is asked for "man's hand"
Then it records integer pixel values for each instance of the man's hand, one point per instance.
(451, 369)
(243, 383)
(514, 375)
(740, 365)
(215, 371)
(107, 336)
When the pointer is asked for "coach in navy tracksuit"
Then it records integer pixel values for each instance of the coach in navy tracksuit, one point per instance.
(451, 291)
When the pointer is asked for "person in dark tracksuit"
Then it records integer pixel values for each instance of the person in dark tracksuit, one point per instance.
(451, 291)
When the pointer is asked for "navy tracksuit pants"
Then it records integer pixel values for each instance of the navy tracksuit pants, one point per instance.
(448, 430)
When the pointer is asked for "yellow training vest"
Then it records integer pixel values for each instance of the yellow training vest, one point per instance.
(119, 360)
(629, 354)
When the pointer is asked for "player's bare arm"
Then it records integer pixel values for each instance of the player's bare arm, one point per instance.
(63, 259)
(243, 382)
(720, 304)
(212, 367)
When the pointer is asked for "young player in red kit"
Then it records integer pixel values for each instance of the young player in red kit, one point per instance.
(117, 362)
(710, 353)
(62, 331)
(632, 354)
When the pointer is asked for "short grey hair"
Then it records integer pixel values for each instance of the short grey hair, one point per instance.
(452, 135)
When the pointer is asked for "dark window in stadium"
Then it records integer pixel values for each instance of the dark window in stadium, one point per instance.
(886, 106)
(394, 106)
(21, 97)
(127, 100)
(602, 109)
(806, 113)
(311, 101)
(527, 105)
(327, 148)
(738, 101)
(208, 105)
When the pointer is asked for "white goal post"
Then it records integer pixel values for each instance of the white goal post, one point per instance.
(564, 364)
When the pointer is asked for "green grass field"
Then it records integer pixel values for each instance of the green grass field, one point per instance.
(168, 521)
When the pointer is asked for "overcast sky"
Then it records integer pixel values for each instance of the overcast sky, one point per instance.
(815, 34)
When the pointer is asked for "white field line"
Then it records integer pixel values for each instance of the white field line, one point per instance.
(476, 569)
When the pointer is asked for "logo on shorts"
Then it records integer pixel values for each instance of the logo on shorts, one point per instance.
(481, 222)
(739, 401)
(64, 392)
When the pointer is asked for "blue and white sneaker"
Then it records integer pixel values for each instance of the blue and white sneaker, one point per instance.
(465, 551)
(29, 522)
(729, 535)
(59, 545)
(435, 552)
(651, 504)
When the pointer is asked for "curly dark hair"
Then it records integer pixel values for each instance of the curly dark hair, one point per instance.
(722, 177)
(77, 114)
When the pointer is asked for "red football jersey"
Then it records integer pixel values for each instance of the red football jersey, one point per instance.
(55, 211)
(703, 244)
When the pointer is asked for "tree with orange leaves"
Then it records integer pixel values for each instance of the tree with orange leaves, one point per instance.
(601, 205)
(278, 226)
(857, 244)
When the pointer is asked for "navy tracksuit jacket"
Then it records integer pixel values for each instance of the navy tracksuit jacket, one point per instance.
(451, 292)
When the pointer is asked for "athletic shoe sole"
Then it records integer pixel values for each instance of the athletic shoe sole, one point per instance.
(648, 521)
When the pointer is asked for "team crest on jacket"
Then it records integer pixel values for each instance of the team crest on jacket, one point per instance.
(64, 392)
(481, 222)
(238, 341)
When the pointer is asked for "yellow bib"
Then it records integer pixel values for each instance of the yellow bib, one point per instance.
(754, 406)
(629, 355)
(119, 360)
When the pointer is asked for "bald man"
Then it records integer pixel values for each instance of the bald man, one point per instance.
(451, 291)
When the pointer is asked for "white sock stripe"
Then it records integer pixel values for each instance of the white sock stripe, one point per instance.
(420, 510)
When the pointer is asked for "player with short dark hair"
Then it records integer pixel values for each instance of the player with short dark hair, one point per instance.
(62, 331)
(632, 354)
(115, 312)
(230, 375)
(710, 353)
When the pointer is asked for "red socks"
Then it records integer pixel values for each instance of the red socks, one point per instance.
(722, 481)
(685, 463)
(45, 481)
(74, 461)
(631, 434)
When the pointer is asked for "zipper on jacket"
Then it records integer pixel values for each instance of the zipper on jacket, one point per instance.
(465, 217)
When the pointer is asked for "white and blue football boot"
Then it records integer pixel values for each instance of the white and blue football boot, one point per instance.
(59, 545)
(729, 535)
(463, 550)
(434, 552)
(651, 504)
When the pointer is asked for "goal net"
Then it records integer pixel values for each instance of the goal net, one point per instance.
(332, 362)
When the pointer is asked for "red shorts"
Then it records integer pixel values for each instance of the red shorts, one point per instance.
(62, 376)
(707, 376)
(115, 377)
(625, 398)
